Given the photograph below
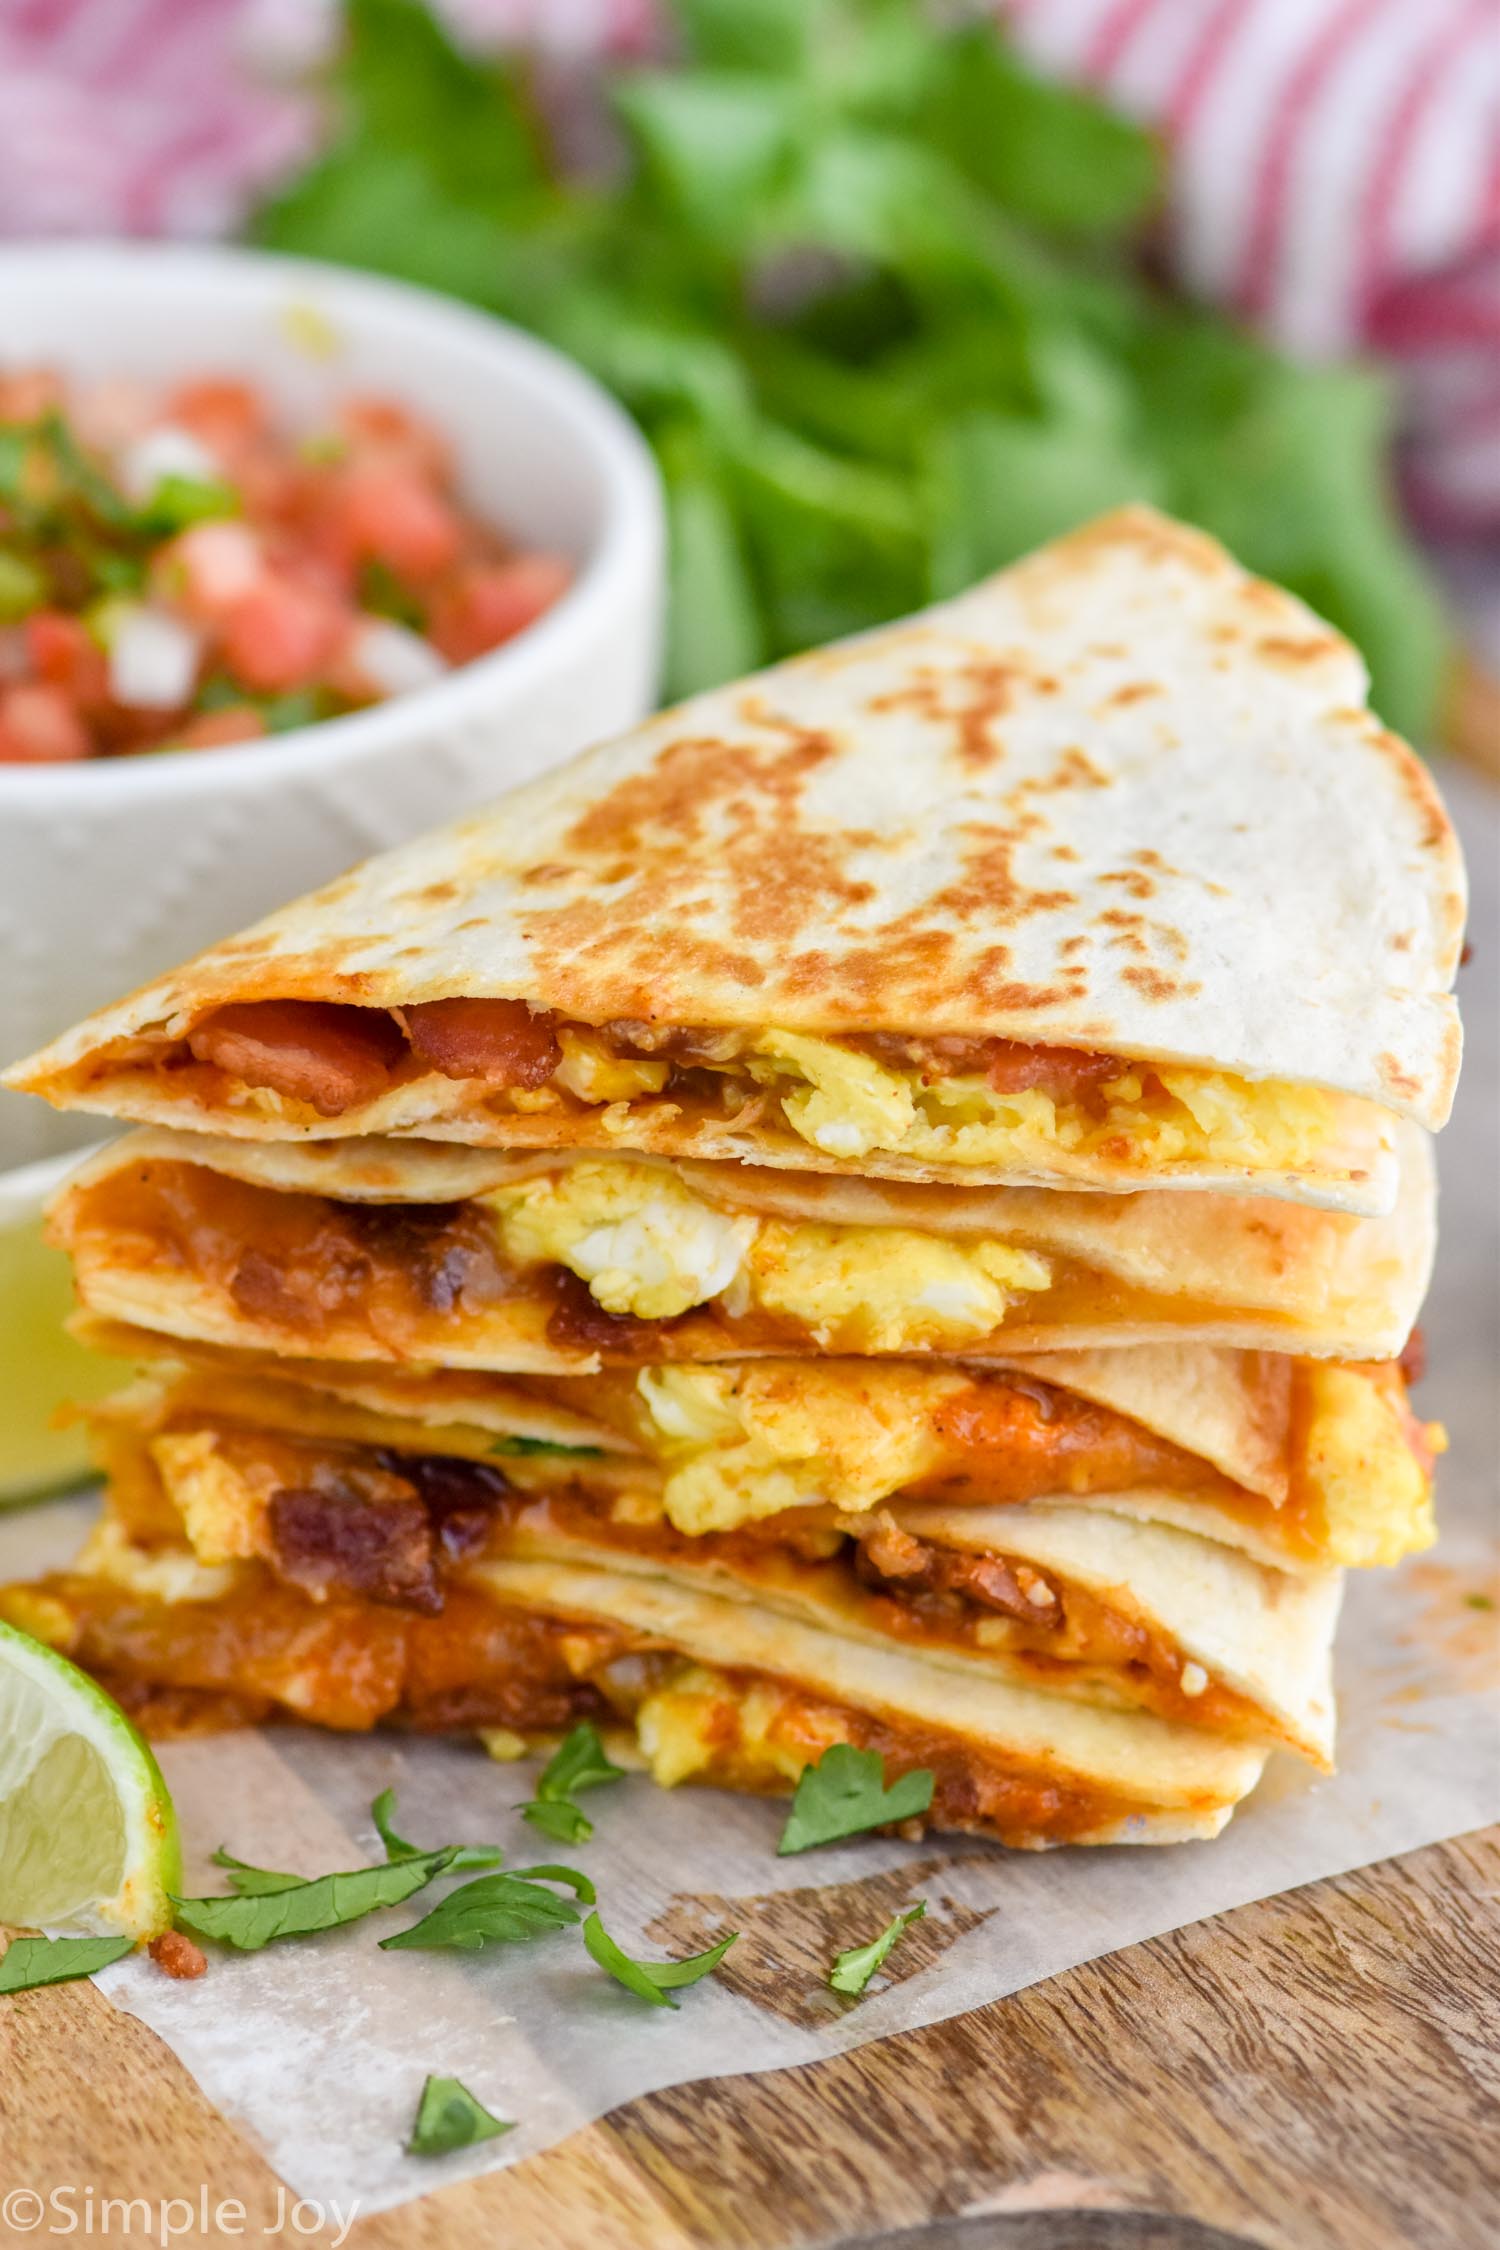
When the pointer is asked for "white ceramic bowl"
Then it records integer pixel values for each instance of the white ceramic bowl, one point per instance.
(115, 869)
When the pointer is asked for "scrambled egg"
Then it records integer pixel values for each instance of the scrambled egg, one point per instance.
(847, 1104)
(1375, 1496)
(223, 1518)
(646, 1244)
(742, 1443)
(643, 1242)
(701, 1723)
(885, 1289)
(164, 1574)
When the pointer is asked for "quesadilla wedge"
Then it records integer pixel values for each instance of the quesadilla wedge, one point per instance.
(1065, 1687)
(1301, 1466)
(565, 1263)
(1100, 877)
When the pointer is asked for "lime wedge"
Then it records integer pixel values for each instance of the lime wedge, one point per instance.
(88, 1838)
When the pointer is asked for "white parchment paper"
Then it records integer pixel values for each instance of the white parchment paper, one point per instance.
(318, 2047)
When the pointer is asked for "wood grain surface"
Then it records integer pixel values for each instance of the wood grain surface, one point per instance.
(1318, 2072)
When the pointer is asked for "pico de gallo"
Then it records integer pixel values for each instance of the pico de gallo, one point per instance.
(178, 571)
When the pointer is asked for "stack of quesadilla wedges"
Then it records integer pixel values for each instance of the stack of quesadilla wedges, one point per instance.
(886, 1207)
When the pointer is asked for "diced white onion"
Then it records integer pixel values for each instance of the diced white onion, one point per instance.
(165, 452)
(153, 660)
(393, 659)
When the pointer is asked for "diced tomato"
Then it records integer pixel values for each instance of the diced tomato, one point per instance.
(323, 575)
(225, 414)
(111, 414)
(490, 602)
(280, 635)
(213, 730)
(382, 429)
(209, 567)
(39, 726)
(382, 512)
(28, 393)
(270, 483)
(64, 654)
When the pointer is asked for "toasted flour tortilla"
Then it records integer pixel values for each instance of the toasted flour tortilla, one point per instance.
(1189, 1781)
(1120, 798)
(1269, 1465)
(1105, 1270)
(1220, 1641)
(1264, 1633)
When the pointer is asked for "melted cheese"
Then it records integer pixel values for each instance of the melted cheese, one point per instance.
(684, 1727)
(647, 1245)
(846, 1104)
(1374, 1495)
(591, 1071)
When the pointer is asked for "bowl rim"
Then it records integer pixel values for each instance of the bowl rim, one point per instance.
(629, 541)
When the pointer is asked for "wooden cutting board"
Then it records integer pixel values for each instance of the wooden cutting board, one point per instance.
(1319, 2072)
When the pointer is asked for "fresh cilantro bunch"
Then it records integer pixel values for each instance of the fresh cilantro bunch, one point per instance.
(878, 298)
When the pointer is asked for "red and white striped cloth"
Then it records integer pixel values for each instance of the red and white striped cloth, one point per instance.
(1335, 179)
(1336, 163)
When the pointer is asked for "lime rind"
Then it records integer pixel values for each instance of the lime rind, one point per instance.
(88, 1837)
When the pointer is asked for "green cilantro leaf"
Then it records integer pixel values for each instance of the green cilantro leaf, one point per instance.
(15, 444)
(254, 1882)
(845, 1793)
(516, 1447)
(853, 1969)
(578, 1762)
(30, 1961)
(460, 1856)
(493, 1910)
(178, 501)
(23, 588)
(577, 1882)
(449, 2117)
(651, 1980)
(252, 1919)
(559, 1818)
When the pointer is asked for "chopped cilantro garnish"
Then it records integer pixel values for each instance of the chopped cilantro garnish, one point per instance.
(259, 1914)
(654, 1981)
(30, 1961)
(449, 2117)
(845, 1793)
(460, 1856)
(853, 1969)
(517, 1447)
(577, 1763)
(493, 1910)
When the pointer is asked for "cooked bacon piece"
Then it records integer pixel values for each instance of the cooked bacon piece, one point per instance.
(177, 1955)
(313, 1051)
(1012, 1588)
(461, 1497)
(895, 1562)
(500, 1041)
(1063, 1072)
(339, 1539)
(579, 1323)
